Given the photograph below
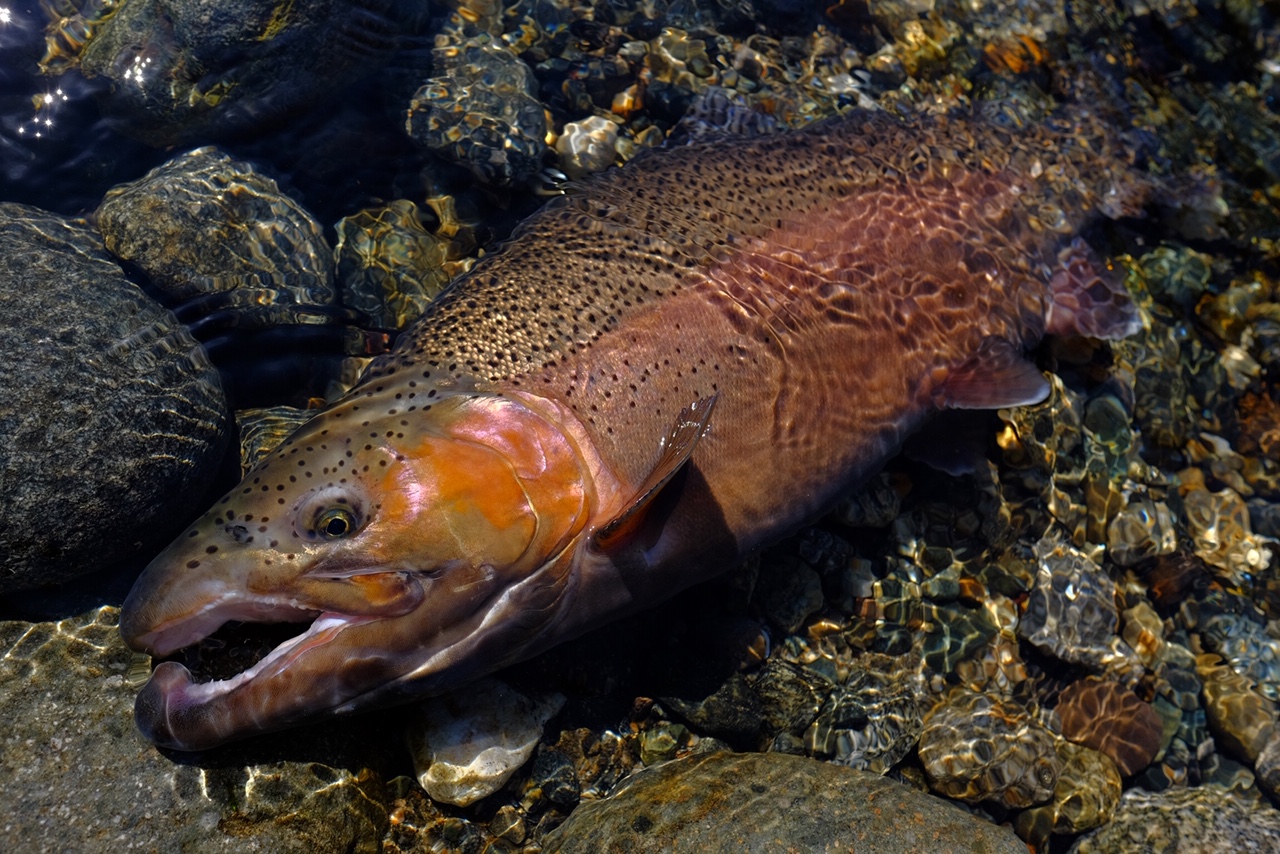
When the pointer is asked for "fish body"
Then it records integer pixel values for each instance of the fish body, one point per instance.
(676, 363)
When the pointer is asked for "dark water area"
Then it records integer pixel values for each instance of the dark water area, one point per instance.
(335, 157)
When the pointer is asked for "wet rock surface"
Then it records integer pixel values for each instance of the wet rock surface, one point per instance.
(203, 223)
(769, 802)
(1111, 719)
(109, 409)
(78, 776)
(1205, 818)
(468, 742)
(180, 71)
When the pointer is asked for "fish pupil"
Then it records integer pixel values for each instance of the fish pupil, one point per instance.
(336, 526)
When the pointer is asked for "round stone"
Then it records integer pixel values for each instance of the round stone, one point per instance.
(113, 417)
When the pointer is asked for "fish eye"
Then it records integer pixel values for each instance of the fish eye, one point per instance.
(335, 522)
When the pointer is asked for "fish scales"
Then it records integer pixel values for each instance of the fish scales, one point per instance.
(672, 365)
(822, 272)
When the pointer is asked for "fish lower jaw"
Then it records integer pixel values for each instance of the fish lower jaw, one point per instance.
(324, 629)
(173, 710)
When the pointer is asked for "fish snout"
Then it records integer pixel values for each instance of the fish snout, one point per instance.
(164, 708)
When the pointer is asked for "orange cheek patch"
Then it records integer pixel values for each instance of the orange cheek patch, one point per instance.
(457, 501)
(540, 456)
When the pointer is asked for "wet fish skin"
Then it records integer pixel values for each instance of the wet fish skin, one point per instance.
(675, 364)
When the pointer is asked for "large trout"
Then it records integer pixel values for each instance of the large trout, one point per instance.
(674, 364)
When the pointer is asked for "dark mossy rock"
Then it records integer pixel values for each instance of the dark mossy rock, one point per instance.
(183, 70)
(772, 802)
(113, 418)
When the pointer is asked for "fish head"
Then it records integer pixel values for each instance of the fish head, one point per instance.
(414, 549)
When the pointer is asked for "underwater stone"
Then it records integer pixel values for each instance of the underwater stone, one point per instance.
(1173, 579)
(770, 801)
(73, 757)
(977, 747)
(1259, 419)
(1218, 523)
(1202, 818)
(480, 112)
(114, 420)
(875, 505)
(1243, 721)
(1144, 632)
(468, 742)
(1267, 766)
(1176, 275)
(181, 70)
(587, 146)
(871, 722)
(599, 759)
(1246, 646)
(788, 592)
(1110, 718)
(732, 711)
(261, 430)
(1162, 398)
(1143, 529)
(662, 742)
(203, 223)
(389, 266)
(790, 696)
(1085, 797)
(1071, 612)
(956, 632)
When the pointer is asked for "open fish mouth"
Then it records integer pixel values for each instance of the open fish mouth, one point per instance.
(221, 648)
(236, 647)
(205, 693)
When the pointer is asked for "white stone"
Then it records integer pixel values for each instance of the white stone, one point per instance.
(467, 743)
(587, 146)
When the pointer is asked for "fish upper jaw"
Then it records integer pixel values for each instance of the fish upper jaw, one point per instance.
(183, 630)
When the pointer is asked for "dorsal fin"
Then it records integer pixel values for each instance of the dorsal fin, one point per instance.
(676, 450)
(996, 376)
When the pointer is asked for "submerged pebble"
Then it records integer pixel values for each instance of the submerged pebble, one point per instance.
(1111, 719)
(467, 743)
(480, 112)
(977, 747)
(203, 223)
(1203, 818)
(180, 72)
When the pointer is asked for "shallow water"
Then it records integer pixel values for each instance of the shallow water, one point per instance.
(1111, 543)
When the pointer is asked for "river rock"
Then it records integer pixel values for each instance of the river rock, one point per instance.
(1202, 818)
(771, 802)
(76, 775)
(186, 69)
(113, 417)
(467, 743)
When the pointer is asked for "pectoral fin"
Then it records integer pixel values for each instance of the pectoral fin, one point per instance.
(996, 376)
(690, 424)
